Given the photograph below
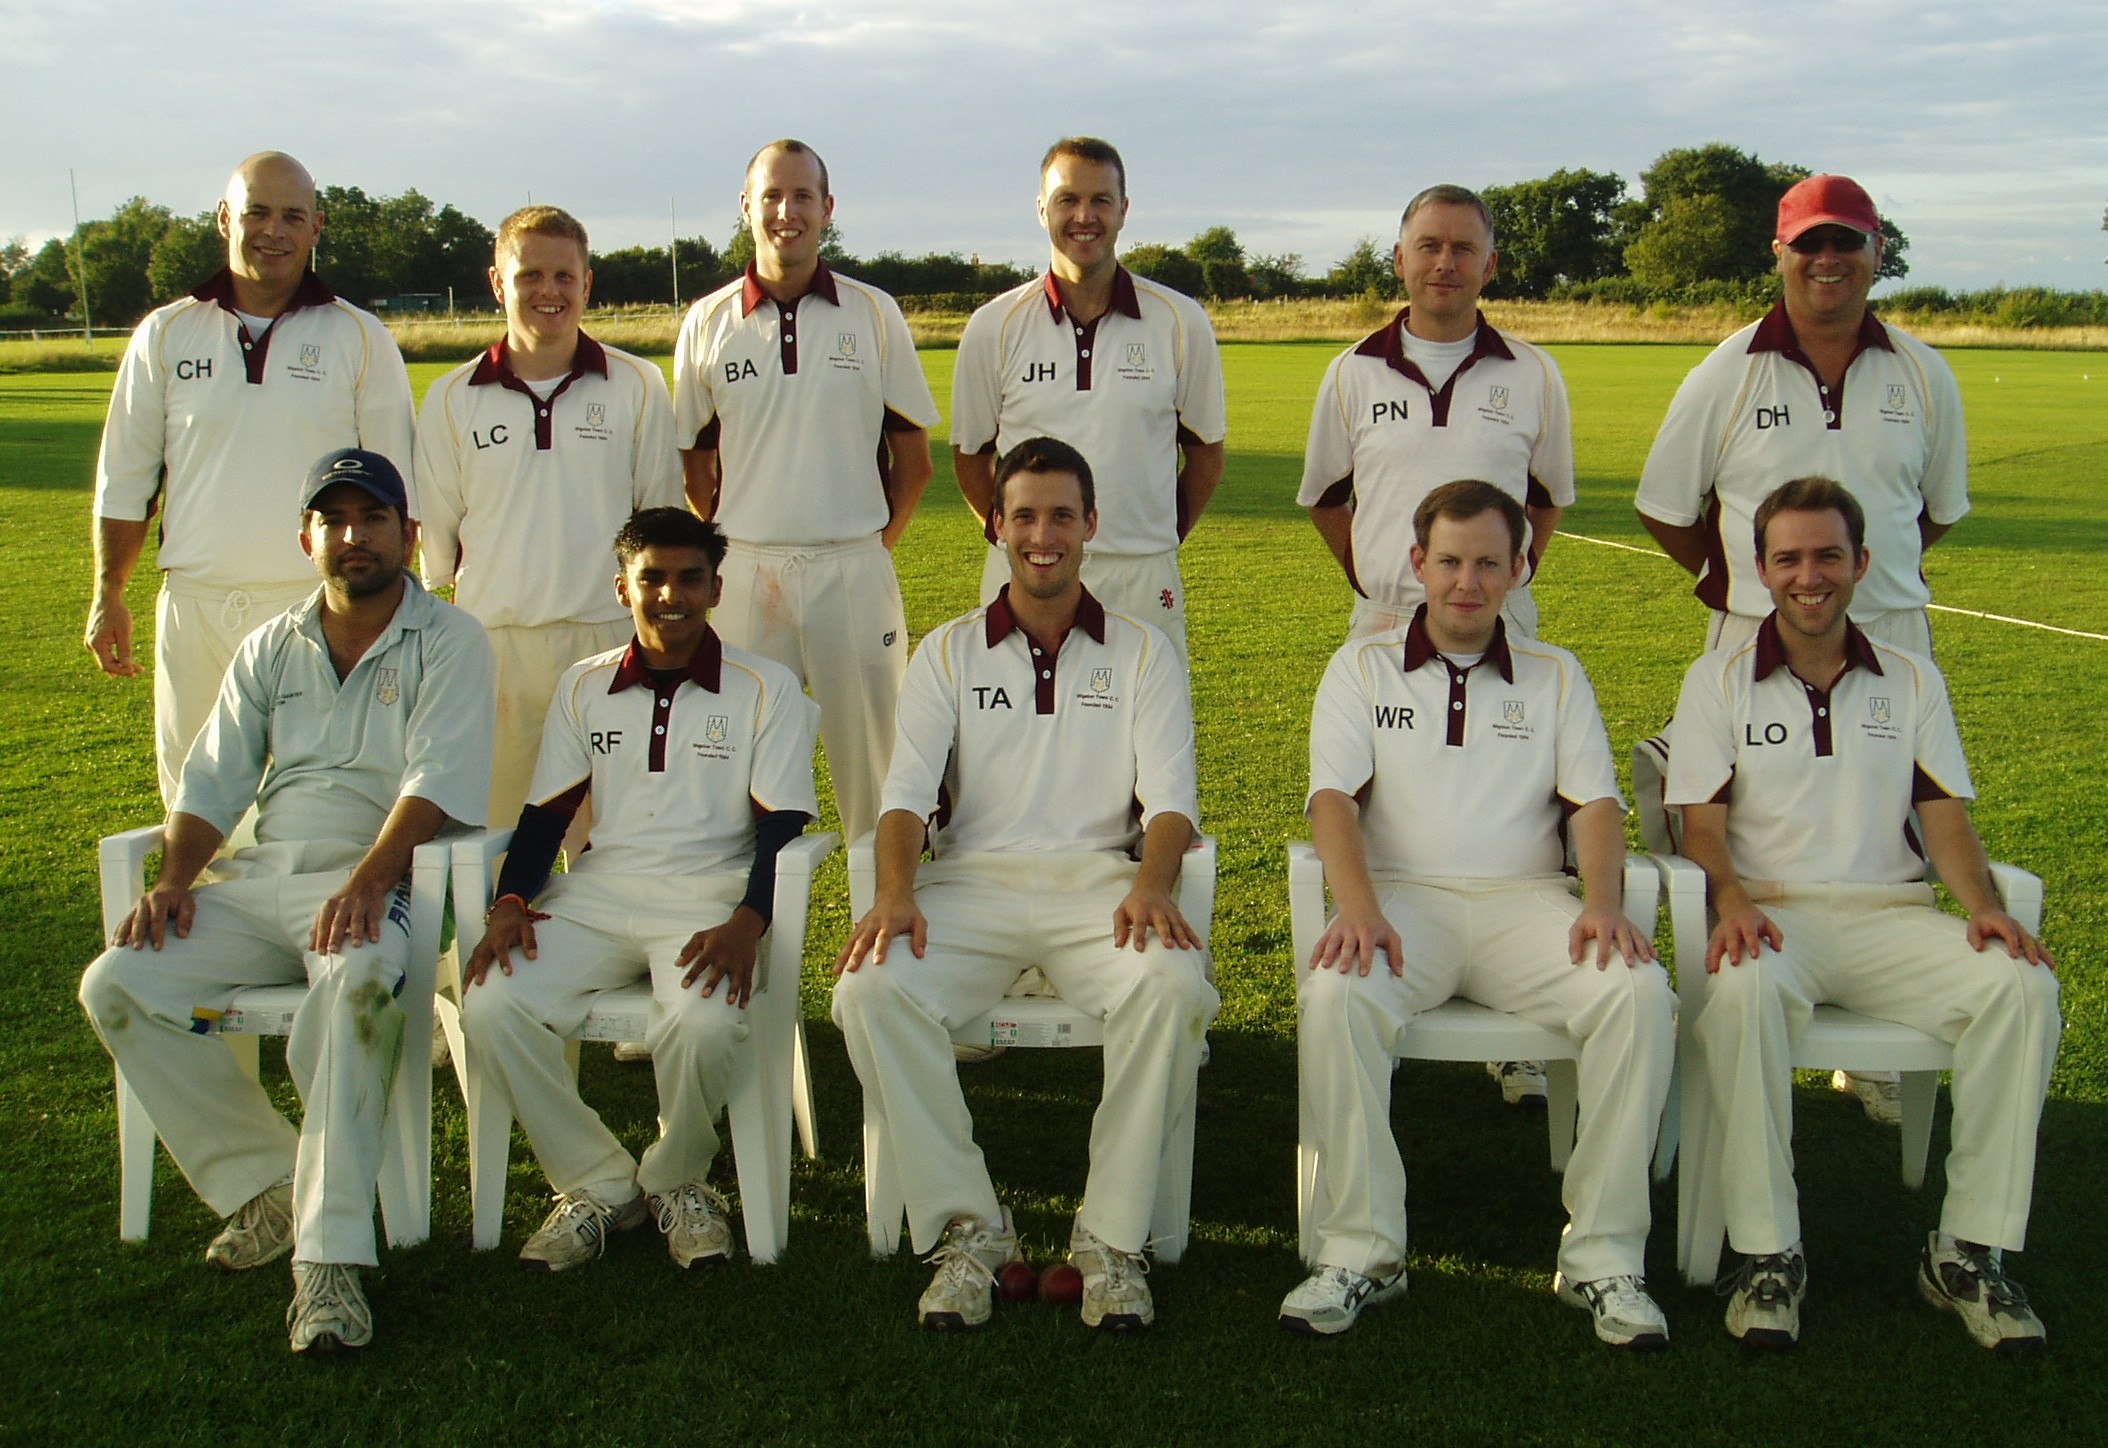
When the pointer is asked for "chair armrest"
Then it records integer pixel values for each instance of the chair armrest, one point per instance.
(863, 876)
(1306, 900)
(1689, 930)
(1643, 893)
(475, 869)
(1196, 885)
(122, 859)
(796, 864)
(2021, 893)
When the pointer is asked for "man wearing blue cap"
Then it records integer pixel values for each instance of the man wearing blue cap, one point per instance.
(358, 723)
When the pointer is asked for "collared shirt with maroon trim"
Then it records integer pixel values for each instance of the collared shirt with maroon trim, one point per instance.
(1755, 414)
(1009, 742)
(1383, 437)
(1461, 772)
(677, 764)
(1818, 782)
(215, 428)
(795, 399)
(523, 495)
(1125, 390)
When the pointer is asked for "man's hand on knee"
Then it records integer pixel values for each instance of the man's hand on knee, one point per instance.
(158, 910)
(887, 921)
(510, 928)
(1988, 925)
(354, 914)
(1739, 935)
(1351, 944)
(1145, 910)
(1611, 931)
(723, 953)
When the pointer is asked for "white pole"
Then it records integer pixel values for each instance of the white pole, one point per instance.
(673, 250)
(80, 257)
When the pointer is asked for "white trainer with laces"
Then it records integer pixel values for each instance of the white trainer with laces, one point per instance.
(1880, 1096)
(260, 1231)
(968, 1260)
(1329, 1299)
(692, 1217)
(1115, 1292)
(1625, 1315)
(577, 1228)
(329, 1308)
(1970, 1281)
(1764, 1312)
(1522, 1083)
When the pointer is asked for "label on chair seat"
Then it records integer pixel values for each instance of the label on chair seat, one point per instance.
(1030, 1034)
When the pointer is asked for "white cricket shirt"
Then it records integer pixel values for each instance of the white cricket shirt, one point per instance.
(1755, 414)
(794, 399)
(1462, 773)
(1123, 390)
(523, 494)
(216, 427)
(1008, 745)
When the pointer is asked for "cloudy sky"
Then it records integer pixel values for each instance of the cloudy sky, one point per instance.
(1303, 125)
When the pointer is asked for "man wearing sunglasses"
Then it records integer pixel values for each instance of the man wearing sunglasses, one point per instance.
(1819, 387)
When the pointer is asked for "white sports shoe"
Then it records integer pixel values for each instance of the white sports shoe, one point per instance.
(1970, 1282)
(260, 1231)
(1329, 1299)
(967, 1055)
(329, 1308)
(629, 1053)
(1625, 1315)
(576, 1230)
(1880, 1096)
(1115, 1294)
(968, 1261)
(1522, 1083)
(692, 1217)
(1764, 1313)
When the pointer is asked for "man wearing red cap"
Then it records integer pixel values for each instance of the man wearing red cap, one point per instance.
(1819, 388)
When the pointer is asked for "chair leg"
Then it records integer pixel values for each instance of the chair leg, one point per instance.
(1921, 1091)
(1562, 1102)
(1701, 1221)
(1671, 1130)
(759, 1113)
(135, 1163)
(885, 1207)
(489, 1151)
(1311, 1199)
(1171, 1221)
(801, 1094)
(406, 1143)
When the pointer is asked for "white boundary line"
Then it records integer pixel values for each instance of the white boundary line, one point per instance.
(2074, 633)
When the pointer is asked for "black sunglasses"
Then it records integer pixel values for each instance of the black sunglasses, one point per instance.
(1841, 239)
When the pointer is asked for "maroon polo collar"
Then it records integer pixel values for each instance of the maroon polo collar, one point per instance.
(1389, 344)
(1125, 300)
(219, 287)
(705, 666)
(1775, 333)
(1420, 647)
(495, 365)
(751, 294)
(1002, 622)
(1771, 651)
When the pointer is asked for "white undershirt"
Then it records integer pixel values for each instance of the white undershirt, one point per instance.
(544, 387)
(1437, 361)
(257, 325)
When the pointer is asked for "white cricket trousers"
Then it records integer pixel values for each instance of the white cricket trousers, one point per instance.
(1502, 943)
(831, 614)
(530, 661)
(1881, 950)
(1145, 586)
(991, 916)
(196, 632)
(1904, 628)
(1370, 618)
(605, 932)
(154, 1011)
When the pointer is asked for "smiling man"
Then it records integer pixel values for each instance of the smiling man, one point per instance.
(1121, 368)
(530, 457)
(697, 758)
(223, 400)
(1437, 395)
(1818, 770)
(803, 417)
(1450, 763)
(357, 723)
(1045, 740)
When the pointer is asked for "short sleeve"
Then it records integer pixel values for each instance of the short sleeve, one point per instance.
(1342, 743)
(1328, 457)
(655, 472)
(976, 383)
(927, 728)
(1166, 774)
(447, 753)
(907, 387)
(694, 406)
(1587, 772)
(1203, 407)
(1552, 459)
(783, 743)
(1701, 737)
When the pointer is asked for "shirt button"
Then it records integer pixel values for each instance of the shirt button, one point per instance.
(1046, 673)
(1822, 713)
(1829, 416)
(1458, 705)
(661, 729)
(1086, 352)
(248, 346)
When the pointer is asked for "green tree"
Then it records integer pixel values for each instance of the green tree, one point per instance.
(1559, 228)
(1224, 274)
(113, 255)
(1695, 238)
(190, 250)
(14, 258)
(1278, 276)
(1169, 265)
(375, 247)
(1364, 271)
(46, 284)
(1893, 244)
(641, 275)
(1708, 213)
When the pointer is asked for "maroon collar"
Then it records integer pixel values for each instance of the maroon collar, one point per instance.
(219, 287)
(705, 668)
(495, 365)
(1389, 344)
(1002, 622)
(1775, 333)
(751, 294)
(1125, 300)
(1771, 652)
(1420, 648)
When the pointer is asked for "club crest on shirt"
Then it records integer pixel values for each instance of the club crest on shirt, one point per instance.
(716, 727)
(1101, 680)
(596, 414)
(387, 685)
(1896, 406)
(1135, 362)
(1496, 408)
(1880, 719)
(845, 353)
(311, 356)
(1497, 398)
(309, 367)
(1100, 694)
(1514, 721)
(1878, 710)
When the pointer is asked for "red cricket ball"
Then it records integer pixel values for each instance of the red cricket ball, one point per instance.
(1018, 1282)
(1061, 1285)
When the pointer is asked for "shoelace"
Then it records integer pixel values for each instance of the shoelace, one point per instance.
(691, 1199)
(330, 1290)
(1623, 1294)
(255, 1211)
(956, 1259)
(585, 1214)
(2001, 1293)
(1118, 1266)
(1770, 1280)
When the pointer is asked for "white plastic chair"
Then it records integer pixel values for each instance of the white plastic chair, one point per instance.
(771, 1084)
(406, 1150)
(1836, 1039)
(1031, 1021)
(1456, 1030)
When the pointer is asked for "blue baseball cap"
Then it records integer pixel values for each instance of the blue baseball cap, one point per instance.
(354, 465)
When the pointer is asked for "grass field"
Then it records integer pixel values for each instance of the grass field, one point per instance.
(104, 1341)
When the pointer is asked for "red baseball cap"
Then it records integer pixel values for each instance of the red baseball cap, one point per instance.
(1826, 200)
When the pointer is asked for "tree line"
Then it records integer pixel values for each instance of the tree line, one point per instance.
(1699, 229)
